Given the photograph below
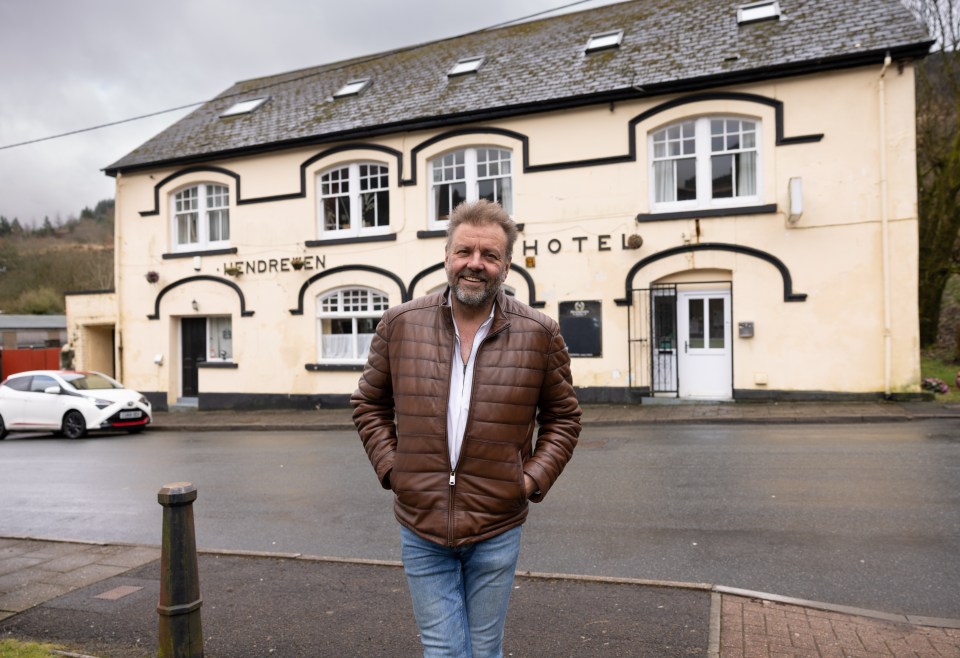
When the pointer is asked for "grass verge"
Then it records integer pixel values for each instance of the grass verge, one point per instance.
(17, 649)
(931, 366)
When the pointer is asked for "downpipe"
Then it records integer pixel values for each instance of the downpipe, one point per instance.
(885, 230)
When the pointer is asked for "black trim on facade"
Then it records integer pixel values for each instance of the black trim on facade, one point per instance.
(346, 268)
(191, 254)
(222, 365)
(255, 401)
(415, 151)
(106, 291)
(767, 209)
(390, 237)
(788, 294)
(422, 274)
(869, 58)
(157, 399)
(442, 233)
(611, 394)
(183, 172)
(524, 141)
(333, 367)
(200, 277)
(275, 197)
(586, 395)
(777, 106)
(755, 394)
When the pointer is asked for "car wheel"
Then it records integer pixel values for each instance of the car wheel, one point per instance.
(74, 426)
(3, 429)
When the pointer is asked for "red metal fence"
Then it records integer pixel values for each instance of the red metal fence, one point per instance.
(14, 361)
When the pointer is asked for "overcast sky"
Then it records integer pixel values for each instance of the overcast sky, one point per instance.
(67, 65)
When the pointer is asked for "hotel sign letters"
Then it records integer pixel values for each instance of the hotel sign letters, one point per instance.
(554, 245)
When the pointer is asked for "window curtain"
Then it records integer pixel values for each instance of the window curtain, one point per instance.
(747, 174)
(664, 181)
(338, 346)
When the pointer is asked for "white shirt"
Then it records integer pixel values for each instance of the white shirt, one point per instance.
(461, 386)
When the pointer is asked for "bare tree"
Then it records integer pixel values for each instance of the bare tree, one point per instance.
(938, 160)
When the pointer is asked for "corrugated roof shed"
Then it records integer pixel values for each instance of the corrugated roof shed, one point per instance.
(668, 46)
(27, 322)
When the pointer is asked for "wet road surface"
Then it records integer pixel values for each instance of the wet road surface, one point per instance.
(861, 515)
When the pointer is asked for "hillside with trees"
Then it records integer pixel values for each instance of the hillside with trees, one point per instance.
(39, 264)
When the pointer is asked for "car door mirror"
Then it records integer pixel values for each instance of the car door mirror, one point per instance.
(52, 390)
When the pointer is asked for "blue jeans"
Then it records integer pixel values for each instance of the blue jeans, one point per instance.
(460, 595)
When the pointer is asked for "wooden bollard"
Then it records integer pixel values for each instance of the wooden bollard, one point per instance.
(181, 635)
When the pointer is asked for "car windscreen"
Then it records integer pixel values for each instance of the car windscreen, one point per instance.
(90, 381)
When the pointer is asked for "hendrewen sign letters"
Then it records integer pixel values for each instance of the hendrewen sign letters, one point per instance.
(319, 262)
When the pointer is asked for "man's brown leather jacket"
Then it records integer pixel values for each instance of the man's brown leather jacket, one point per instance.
(521, 379)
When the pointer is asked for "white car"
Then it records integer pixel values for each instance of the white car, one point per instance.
(70, 403)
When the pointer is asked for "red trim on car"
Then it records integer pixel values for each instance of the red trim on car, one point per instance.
(142, 421)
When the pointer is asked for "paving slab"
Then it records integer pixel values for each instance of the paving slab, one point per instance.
(257, 606)
(294, 605)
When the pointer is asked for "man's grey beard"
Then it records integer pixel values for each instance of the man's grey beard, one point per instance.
(480, 297)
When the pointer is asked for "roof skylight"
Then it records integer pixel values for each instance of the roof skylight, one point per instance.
(352, 88)
(466, 65)
(244, 107)
(758, 11)
(604, 40)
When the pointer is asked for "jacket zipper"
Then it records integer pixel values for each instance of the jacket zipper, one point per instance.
(453, 471)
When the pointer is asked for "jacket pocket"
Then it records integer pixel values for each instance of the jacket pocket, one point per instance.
(523, 487)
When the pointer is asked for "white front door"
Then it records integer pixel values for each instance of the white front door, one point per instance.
(704, 366)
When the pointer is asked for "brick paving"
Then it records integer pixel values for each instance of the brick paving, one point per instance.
(756, 628)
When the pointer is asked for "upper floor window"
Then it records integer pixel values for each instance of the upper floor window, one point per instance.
(469, 175)
(354, 200)
(201, 217)
(705, 162)
(346, 323)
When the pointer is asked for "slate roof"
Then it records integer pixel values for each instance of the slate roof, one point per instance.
(668, 46)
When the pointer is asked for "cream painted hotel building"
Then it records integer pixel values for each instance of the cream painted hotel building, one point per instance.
(717, 201)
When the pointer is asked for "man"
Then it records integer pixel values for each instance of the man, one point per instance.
(446, 408)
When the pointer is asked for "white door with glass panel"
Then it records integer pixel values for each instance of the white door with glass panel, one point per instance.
(704, 364)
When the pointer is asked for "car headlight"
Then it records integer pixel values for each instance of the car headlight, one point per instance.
(102, 404)
(144, 401)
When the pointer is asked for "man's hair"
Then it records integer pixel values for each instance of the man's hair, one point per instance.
(481, 212)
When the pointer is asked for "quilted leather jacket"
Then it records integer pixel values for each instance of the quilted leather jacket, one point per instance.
(521, 380)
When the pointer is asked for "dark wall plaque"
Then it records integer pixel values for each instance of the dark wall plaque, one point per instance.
(581, 328)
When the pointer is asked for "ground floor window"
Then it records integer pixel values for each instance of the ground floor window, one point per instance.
(346, 322)
(219, 338)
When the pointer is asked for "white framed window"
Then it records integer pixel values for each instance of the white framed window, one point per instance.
(219, 338)
(704, 163)
(244, 107)
(352, 88)
(346, 323)
(469, 175)
(604, 41)
(464, 66)
(758, 11)
(354, 200)
(201, 217)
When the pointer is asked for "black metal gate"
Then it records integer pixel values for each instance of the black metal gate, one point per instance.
(652, 339)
